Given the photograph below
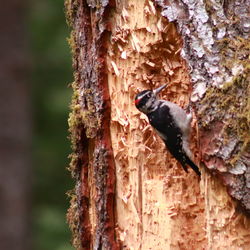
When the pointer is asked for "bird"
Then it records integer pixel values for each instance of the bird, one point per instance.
(171, 123)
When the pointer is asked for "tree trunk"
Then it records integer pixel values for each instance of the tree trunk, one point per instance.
(130, 193)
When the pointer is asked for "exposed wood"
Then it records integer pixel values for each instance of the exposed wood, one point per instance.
(158, 204)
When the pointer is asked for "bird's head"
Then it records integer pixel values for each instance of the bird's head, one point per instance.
(145, 101)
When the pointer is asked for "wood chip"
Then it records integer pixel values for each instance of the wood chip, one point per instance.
(115, 68)
(124, 55)
(125, 15)
(151, 64)
(135, 42)
(152, 7)
(159, 25)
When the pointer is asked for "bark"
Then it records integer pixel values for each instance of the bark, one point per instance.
(15, 133)
(92, 159)
(130, 193)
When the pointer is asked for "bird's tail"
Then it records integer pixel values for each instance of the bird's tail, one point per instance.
(184, 167)
(193, 166)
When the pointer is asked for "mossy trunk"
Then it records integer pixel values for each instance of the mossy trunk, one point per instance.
(130, 193)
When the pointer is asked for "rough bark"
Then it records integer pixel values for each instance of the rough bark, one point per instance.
(92, 159)
(15, 133)
(130, 193)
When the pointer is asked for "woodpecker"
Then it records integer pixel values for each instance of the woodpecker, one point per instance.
(171, 123)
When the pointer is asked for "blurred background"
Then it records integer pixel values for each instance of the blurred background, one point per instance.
(35, 70)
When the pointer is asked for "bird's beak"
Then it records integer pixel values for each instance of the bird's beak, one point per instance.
(158, 90)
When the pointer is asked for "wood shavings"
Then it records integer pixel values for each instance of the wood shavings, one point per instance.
(150, 77)
(171, 72)
(119, 154)
(152, 7)
(148, 127)
(169, 51)
(125, 199)
(120, 35)
(127, 196)
(146, 10)
(151, 64)
(135, 42)
(169, 63)
(150, 140)
(178, 51)
(122, 235)
(172, 215)
(125, 15)
(168, 70)
(182, 99)
(166, 28)
(144, 77)
(149, 149)
(124, 55)
(123, 140)
(120, 47)
(159, 25)
(176, 64)
(123, 122)
(185, 86)
(115, 68)
(150, 156)
(172, 47)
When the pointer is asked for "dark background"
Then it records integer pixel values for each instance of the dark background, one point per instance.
(35, 71)
(51, 74)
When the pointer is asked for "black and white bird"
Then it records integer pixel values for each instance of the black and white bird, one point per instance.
(171, 123)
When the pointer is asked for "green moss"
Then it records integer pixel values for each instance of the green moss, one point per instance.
(72, 43)
(84, 119)
(70, 10)
(75, 123)
(74, 120)
(73, 219)
(75, 130)
(230, 105)
(234, 52)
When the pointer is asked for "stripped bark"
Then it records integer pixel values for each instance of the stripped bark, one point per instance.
(130, 193)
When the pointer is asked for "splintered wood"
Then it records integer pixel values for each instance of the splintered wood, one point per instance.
(157, 203)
